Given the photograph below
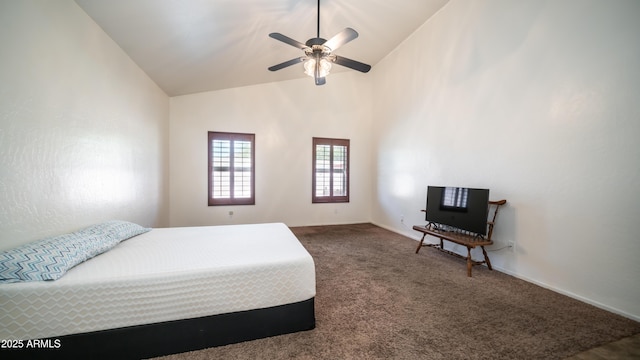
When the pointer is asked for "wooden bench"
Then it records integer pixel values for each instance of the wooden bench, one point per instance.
(461, 237)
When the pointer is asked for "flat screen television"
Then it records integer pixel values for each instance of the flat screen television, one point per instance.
(463, 208)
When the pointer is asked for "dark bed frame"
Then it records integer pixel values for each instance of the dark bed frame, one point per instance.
(145, 341)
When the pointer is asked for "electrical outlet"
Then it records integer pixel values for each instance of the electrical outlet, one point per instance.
(512, 246)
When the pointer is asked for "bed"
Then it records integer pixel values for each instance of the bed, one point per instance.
(165, 291)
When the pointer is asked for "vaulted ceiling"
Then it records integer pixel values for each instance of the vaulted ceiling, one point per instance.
(189, 46)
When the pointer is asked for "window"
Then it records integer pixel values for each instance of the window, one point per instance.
(231, 169)
(330, 170)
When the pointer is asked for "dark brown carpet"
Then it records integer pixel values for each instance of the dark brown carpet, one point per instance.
(376, 299)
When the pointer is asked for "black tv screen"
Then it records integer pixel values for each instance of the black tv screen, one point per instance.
(463, 208)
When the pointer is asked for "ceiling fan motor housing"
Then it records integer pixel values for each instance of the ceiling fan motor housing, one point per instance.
(315, 41)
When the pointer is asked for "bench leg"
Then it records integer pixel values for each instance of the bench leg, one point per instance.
(421, 241)
(469, 262)
(486, 258)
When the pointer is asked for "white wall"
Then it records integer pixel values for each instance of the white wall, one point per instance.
(284, 116)
(538, 101)
(83, 131)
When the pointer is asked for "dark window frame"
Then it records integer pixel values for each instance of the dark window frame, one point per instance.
(232, 137)
(331, 198)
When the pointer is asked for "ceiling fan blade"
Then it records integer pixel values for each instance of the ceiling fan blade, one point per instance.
(352, 64)
(288, 40)
(287, 63)
(341, 38)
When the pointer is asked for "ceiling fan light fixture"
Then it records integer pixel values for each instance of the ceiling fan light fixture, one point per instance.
(310, 67)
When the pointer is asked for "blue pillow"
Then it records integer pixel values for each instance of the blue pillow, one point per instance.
(50, 258)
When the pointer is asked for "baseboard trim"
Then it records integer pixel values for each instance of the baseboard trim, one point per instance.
(568, 293)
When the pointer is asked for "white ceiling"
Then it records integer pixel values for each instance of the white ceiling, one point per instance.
(189, 46)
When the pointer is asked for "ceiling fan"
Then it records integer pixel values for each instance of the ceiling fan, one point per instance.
(318, 53)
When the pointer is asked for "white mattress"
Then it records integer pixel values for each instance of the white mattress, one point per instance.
(165, 274)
